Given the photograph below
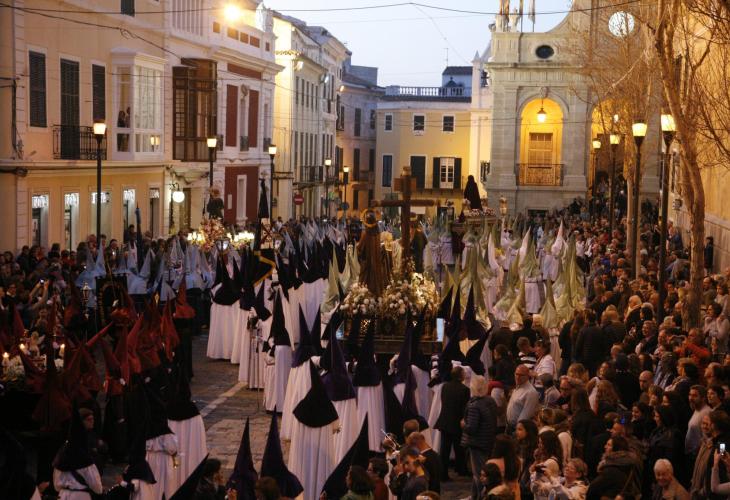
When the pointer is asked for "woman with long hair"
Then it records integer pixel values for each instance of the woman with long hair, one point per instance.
(526, 433)
(504, 455)
(583, 421)
(607, 399)
(664, 440)
(549, 453)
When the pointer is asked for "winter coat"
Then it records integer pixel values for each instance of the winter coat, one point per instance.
(618, 472)
(480, 424)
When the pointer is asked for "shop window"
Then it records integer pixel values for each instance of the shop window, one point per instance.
(70, 219)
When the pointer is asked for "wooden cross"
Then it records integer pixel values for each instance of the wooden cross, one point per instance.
(406, 183)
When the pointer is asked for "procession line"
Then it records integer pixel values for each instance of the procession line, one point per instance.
(222, 398)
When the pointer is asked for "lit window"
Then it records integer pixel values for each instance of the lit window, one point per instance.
(540, 148)
(446, 177)
(138, 109)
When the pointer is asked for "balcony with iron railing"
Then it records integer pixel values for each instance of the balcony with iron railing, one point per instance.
(309, 175)
(364, 181)
(73, 142)
(399, 92)
(547, 174)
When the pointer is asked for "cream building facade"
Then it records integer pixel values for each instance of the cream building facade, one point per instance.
(356, 139)
(543, 162)
(178, 78)
(305, 113)
(233, 56)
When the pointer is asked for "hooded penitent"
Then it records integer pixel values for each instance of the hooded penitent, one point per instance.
(298, 383)
(311, 454)
(342, 394)
(75, 453)
(243, 478)
(357, 454)
(272, 464)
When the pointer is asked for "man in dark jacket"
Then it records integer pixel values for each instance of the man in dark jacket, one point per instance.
(625, 382)
(454, 396)
(591, 348)
(480, 429)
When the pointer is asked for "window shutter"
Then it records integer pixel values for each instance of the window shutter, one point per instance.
(231, 115)
(253, 118)
(436, 180)
(37, 63)
(418, 170)
(99, 92)
(457, 173)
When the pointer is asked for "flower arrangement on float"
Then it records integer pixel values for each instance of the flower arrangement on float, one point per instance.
(486, 211)
(412, 293)
(360, 302)
(210, 231)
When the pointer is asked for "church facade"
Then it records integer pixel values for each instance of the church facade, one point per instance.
(539, 113)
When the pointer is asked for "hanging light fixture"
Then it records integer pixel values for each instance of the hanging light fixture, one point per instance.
(541, 115)
(178, 195)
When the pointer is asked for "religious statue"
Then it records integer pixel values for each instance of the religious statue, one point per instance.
(370, 255)
(215, 204)
(471, 194)
(418, 245)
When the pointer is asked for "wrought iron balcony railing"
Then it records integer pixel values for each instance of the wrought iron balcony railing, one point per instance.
(543, 174)
(73, 142)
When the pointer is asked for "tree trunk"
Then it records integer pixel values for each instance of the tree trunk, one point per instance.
(696, 209)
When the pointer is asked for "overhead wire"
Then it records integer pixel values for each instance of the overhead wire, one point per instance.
(328, 9)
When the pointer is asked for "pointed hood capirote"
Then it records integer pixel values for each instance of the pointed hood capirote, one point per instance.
(272, 464)
(278, 325)
(75, 453)
(138, 467)
(305, 349)
(336, 380)
(229, 292)
(179, 404)
(157, 425)
(243, 478)
(316, 409)
(259, 304)
(358, 454)
(366, 371)
(187, 490)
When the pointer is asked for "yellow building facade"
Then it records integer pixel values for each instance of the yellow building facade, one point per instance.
(431, 134)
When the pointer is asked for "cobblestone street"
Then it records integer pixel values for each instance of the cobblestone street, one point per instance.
(225, 404)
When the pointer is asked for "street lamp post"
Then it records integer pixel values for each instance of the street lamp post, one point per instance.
(212, 143)
(596, 148)
(638, 130)
(99, 132)
(272, 155)
(614, 139)
(669, 129)
(345, 178)
(327, 165)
